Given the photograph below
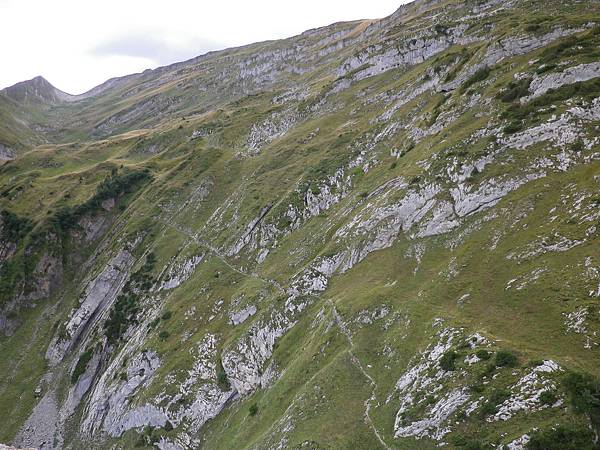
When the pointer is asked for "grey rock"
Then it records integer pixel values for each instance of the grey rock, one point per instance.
(6, 153)
(542, 84)
(99, 295)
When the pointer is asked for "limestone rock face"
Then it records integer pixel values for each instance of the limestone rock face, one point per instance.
(582, 72)
(8, 447)
(6, 153)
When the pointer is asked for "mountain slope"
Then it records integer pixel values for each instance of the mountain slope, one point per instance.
(377, 234)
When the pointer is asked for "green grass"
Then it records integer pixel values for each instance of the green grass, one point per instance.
(206, 187)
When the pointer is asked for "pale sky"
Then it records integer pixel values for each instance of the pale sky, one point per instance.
(78, 44)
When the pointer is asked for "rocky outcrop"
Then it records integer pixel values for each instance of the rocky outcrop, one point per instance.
(427, 376)
(110, 409)
(542, 84)
(46, 277)
(8, 447)
(508, 48)
(6, 153)
(526, 392)
(98, 296)
(179, 272)
(276, 126)
(239, 317)
(380, 58)
(245, 362)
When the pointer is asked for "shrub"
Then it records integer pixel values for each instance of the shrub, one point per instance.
(477, 388)
(515, 90)
(222, 379)
(578, 146)
(447, 361)
(112, 186)
(14, 227)
(415, 180)
(167, 315)
(81, 366)
(497, 397)
(440, 29)
(505, 358)
(548, 398)
(477, 77)
(483, 354)
(253, 410)
(164, 335)
(562, 437)
(514, 127)
(121, 316)
(469, 442)
(125, 310)
(584, 391)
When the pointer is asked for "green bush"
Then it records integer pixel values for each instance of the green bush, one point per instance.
(514, 127)
(484, 355)
(497, 397)
(113, 186)
(584, 391)
(164, 335)
(448, 360)
(562, 437)
(222, 379)
(440, 29)
(13, 226)
(126, 308)
(121, 316)
(477, 388)
(505, 358)
(81, 365)
(515, 90)
(253, 410)
(578, 146)
(548, 398)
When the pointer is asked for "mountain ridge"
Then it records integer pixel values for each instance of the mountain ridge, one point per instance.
(372, 235)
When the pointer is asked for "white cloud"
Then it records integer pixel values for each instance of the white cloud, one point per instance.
(77, 44)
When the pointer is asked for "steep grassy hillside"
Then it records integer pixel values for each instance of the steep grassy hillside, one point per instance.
(372, 235)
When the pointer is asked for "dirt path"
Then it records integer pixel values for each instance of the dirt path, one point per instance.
(217, 253)
(346, 331)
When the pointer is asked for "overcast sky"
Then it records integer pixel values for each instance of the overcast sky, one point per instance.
(77, 44)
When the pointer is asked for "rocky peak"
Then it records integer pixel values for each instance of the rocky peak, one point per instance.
(36, 90)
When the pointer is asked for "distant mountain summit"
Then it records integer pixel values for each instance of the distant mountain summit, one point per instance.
(37, 89)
